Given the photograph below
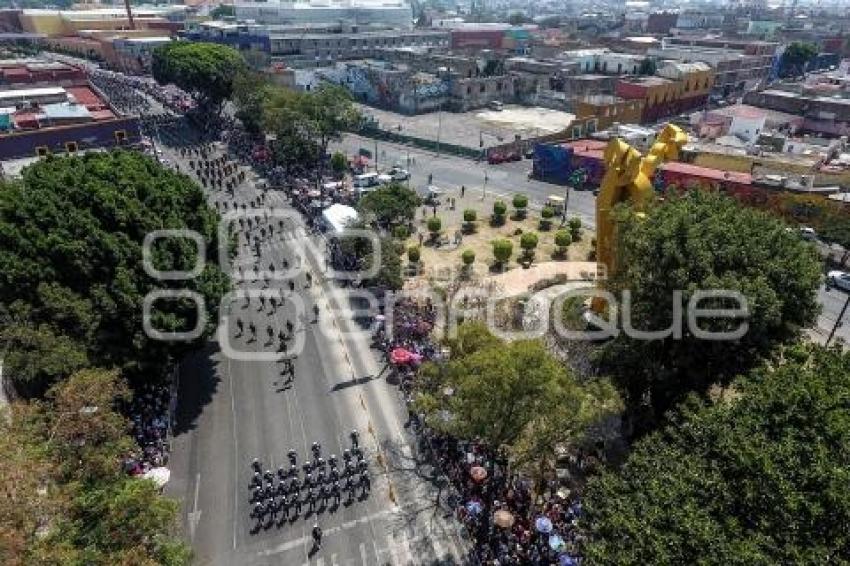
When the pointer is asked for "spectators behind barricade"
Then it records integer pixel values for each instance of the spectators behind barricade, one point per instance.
(149, 415)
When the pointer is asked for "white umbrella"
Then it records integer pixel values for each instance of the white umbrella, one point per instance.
(160, 476)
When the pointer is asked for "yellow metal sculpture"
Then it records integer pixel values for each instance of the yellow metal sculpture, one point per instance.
(628, 177)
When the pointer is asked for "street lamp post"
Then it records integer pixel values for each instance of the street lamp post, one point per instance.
(566, 204)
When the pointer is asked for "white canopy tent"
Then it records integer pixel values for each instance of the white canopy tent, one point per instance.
(337, 217)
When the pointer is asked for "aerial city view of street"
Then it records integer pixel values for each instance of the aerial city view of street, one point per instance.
(424, 282)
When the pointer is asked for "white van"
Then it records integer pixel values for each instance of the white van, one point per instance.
(366, 180)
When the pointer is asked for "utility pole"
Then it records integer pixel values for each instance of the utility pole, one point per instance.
(129, 14)
(376, 156)
(838, 322)
(439, 125)
(566, 204)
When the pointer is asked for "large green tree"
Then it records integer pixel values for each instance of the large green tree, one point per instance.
(391, 204)
(66, 499)
(250, 92)
(514, 396)
(795, 57)
(72, 280)
(293, 143)
(304, 123)
(757, 477)
(703, 242)
(205, 70)
(330, 111)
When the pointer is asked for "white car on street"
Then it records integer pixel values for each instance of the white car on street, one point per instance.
(839, 279)
(399, 174)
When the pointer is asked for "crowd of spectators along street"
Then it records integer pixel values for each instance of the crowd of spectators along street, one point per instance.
(499, 511)
(176, 122)
(149, 414)
(505, 522)
(127, 93)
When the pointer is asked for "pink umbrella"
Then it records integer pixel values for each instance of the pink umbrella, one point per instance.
(400, 356)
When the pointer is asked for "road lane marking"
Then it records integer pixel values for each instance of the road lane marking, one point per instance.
(195, 515)
(289, 545)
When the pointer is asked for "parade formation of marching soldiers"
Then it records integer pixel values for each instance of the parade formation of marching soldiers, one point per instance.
(313, 486)
(213, 172)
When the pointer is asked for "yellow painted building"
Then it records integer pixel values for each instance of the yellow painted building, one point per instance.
(63, 23)
(678, 87)
(608, 109)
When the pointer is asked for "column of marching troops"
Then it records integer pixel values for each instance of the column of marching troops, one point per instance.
(213, 172)
(280, 496)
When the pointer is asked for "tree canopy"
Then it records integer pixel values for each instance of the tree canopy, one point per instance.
(756, 477)
(696, 242)
(250, 92)
(830, 219)
(518, 18)
(391, 204)
(205, 70)
(330, 112)
(304, 123)
(514, 396)
(72, 280)
(795, 57)
(66, 498)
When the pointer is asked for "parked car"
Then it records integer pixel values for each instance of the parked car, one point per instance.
(497, 157)
(839, 279)
(366, 180)
(399, 174)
